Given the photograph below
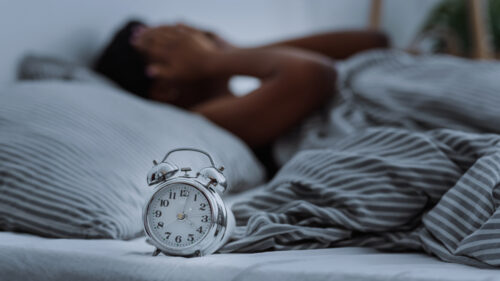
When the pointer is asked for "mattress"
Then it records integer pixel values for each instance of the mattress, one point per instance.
(29, 257)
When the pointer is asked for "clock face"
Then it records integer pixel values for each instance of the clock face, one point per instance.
(179, 215)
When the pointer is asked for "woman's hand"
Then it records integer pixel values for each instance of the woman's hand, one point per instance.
(178, 52)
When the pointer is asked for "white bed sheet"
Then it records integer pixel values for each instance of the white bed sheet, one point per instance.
(27, 257)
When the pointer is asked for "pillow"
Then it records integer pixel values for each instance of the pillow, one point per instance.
(42, 67)
(74, 157)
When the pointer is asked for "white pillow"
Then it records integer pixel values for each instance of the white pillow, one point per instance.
(74, 157)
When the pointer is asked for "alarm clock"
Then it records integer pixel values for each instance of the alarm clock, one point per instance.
(186, 215)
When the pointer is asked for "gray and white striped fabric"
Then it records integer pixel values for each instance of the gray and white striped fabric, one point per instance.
(74, 157)
(407, 159)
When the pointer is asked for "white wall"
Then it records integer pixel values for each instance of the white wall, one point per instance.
(76, 29)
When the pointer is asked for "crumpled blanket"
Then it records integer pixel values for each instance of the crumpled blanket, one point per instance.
(407, 158)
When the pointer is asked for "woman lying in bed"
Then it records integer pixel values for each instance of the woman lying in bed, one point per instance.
(190, 68)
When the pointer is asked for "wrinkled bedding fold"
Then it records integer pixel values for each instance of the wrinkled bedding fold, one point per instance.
(407, 158)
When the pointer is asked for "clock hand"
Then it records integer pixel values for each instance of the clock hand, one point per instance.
(191, 223)
(185, 205)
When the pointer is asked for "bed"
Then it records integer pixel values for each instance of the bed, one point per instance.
(32, 257)
(27, 257)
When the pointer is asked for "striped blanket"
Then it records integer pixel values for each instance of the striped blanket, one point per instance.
(407, 159)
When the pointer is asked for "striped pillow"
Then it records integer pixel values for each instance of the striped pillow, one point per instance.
(74, 157)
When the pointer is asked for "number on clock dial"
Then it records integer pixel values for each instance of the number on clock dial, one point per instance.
(180, 215)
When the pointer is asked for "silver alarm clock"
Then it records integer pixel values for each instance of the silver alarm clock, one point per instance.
(186, 215)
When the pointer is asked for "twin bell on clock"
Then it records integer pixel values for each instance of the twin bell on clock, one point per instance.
(165, 170)
(186, 215)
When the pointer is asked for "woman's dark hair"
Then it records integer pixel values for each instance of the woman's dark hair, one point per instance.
(123, 64)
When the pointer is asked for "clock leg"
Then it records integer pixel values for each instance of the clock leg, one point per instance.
(156, 252)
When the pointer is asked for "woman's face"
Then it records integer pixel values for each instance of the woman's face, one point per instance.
(183, 94)
(187, 94)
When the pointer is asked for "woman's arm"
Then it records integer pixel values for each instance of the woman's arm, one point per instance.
(337, 45)
(294, 83)
(299, 82)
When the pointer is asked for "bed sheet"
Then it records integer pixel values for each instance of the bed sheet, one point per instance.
(27, 257)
